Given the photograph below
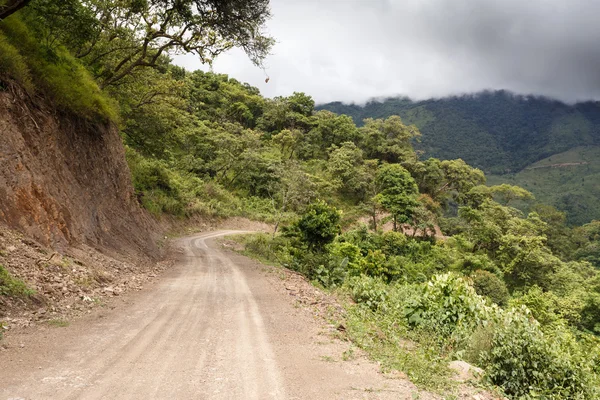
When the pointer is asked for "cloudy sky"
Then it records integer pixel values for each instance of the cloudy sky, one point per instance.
(354, 50)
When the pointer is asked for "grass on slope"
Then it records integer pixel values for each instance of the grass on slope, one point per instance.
(570, 181)
(13, 287)
(51, 71)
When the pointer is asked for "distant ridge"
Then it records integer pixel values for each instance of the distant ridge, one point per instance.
(504, 134)
(497, 131)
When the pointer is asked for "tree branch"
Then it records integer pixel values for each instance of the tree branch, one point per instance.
(12, 7)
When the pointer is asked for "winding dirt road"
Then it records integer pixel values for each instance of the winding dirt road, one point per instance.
(217, 326)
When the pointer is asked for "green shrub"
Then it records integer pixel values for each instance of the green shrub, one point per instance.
(527, 363)
(448, 307)
(542, 305)
(490, 286)
(349, 252)
(393, 243)
(318, 226)
(11, 286)
(372, 292)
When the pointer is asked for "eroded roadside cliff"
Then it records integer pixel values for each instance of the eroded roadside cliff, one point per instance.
(64, 181)
(72, 234)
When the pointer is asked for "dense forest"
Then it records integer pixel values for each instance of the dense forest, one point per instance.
(496, 131)
(504, 134)
(423, 248)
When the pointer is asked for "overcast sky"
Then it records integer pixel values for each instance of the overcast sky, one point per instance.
(354, 50)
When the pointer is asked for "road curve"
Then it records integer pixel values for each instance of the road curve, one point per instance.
(214, 328)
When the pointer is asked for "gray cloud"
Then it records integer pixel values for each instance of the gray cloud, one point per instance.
(359, 49)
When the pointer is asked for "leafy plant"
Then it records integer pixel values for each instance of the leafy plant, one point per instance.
(318, 226)
(13, 287)
(489, 285)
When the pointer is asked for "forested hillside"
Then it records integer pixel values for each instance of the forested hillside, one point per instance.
(500, 133)
(517, 293)
(496, 131)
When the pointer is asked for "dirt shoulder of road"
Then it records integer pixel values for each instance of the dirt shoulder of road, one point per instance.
(71, 281)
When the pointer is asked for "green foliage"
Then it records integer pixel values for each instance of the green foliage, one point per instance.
(507, 136)
(384, 337)
(318, 226)
(204, 143)
(588, 240)
(51, 71)
(117, 39)
(398, 192)
(389, 140)
(372, 292)
(13, 287)
(496, 131)
(488, 285)
(447, 306)
(527, 363)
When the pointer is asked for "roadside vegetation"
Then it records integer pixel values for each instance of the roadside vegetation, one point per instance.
(436, 265)
(13, 287)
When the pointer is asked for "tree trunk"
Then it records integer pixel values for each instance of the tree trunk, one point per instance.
(12, 7)
(374, 216)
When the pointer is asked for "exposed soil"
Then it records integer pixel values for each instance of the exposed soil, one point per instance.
(67, 283)
(560, 165)
(64, 180)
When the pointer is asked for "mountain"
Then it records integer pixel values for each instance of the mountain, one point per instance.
(505, 135)
(498, 132)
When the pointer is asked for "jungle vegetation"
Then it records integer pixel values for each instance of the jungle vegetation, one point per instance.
(423, 248)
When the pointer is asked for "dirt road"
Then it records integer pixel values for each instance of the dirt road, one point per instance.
(215, 327)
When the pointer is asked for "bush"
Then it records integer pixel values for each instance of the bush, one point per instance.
(11, 286)
(318, 226)
(372, 292)
(490, 286)
(447, 306)
(542, 305)
(528, 364)
(393, 243)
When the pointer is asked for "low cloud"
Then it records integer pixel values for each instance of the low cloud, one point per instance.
(356, 50)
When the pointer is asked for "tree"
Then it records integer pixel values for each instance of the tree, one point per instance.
(588, 243)
(424, 217)
(11, 7)
(287, 141)
(319, 225)
(129, 35)
(301, 103)
(448, 179)
(388, 140)
(292, 191)
(507, 193)
(328, 129)
(398, 193)
(346, 168)
(561, 239)
(286, 113)
(458, 177)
